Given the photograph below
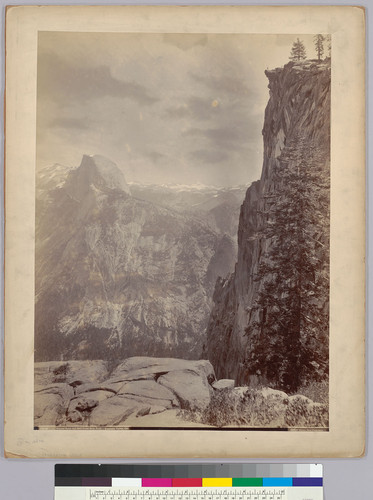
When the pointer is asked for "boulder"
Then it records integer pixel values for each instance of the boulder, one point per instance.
(64, 391)
(113, 411)
(147, 368)
(84, 403)
(94, 387)
(94, 396)
(50, 403)
(71, 392)
(156, 409)
(70, 372)
(190, 387)
(143, 411)
(150, 392)
(224, 383)
(168, 418)
(47, 409)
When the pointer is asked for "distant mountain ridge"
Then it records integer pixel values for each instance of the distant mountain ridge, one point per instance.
(219, 207)
(117, 275)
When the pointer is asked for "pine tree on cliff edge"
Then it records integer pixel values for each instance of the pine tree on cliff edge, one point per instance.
(289, 333)
(298, 51)
(319, 46)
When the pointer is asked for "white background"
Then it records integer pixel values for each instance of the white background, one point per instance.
(344, 479)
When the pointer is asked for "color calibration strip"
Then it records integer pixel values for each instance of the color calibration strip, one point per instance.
(206, 482)
(153, 476)
(216, 482)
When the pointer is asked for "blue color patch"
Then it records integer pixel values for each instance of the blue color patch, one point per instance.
(307, 481)
(277, 481)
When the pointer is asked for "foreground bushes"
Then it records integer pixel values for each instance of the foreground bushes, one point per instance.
(265, 407)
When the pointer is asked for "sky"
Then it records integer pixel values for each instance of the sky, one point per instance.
(166, 108)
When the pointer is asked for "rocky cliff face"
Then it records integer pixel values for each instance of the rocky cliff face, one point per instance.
(299, 106)
(118, 276)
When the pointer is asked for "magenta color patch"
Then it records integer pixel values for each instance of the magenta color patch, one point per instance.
(157, 482)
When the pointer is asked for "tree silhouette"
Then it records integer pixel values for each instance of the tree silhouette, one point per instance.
(319, 45)
(289, 332)
(328, 40)
(298, 51)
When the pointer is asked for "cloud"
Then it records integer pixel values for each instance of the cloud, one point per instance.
(228, 84)
(154, 156)
(64, 82)
(178, 111)
(209, 155)
(185, 41)
(225, 137)
(198, 108)
(78, 123)
(166, 107)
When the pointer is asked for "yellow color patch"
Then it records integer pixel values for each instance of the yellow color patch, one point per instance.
(217, 481)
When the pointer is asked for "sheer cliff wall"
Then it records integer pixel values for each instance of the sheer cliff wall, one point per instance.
(299, 104)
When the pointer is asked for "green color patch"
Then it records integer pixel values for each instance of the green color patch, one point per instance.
(247, 481)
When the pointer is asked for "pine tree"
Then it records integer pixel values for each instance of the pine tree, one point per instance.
(319, 45)
(328, 40)
(298, 51)
(289, 335)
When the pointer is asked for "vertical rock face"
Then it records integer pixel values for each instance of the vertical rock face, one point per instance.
(299, 104)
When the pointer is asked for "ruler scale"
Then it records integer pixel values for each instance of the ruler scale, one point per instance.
(177, 482)
(120, 494)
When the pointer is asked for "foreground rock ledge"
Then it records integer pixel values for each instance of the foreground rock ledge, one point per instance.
(86, 393)
(160, 392)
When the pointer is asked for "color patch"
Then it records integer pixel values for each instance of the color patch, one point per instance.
(130, 482)
(213, 482)
(277, 481)
(153, 482)
(68, 481)
(188, 482)
(247, 481)
(307, 481)
(96, 481)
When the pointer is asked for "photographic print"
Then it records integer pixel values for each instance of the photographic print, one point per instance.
(184, 251)
(182, 230)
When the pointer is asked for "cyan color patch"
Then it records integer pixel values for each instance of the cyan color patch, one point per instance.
(277, 481)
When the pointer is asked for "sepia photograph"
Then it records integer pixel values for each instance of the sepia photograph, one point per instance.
(185, 232)
(182, 231)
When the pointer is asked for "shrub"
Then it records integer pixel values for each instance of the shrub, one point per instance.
(60, 373)
(259, 408)
(317, 391)
(301, 413)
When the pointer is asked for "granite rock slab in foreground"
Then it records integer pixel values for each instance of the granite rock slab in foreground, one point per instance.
(86, 393)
